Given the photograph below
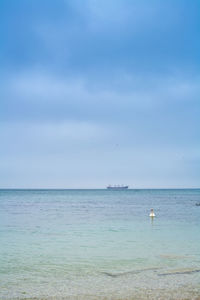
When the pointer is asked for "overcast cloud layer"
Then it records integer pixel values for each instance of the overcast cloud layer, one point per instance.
(96, 92)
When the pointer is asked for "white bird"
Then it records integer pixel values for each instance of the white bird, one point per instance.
(152, 213)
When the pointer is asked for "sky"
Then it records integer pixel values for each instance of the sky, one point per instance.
(98, 92)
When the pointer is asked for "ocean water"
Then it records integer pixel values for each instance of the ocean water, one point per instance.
(99, 244)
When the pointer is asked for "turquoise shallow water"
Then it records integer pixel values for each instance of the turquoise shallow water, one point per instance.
(99, 244)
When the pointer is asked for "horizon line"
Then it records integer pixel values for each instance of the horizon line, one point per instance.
(146, 188)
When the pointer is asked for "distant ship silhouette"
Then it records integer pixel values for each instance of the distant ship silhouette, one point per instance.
(117, 187)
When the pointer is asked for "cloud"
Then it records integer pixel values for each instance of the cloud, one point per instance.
(93, 37)
(44, 138)
(43, 86)
(47, 161)
(134, 111)
(108, 88)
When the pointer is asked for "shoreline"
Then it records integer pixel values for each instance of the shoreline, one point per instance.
(181, 293)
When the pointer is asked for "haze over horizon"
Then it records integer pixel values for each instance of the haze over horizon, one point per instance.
(100, 92)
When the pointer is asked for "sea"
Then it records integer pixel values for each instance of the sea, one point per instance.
(99, 244)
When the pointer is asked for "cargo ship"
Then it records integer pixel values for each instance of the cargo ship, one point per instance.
(117, 187)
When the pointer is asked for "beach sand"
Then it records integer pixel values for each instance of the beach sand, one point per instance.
(183, 293)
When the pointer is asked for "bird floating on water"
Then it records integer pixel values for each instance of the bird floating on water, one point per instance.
(152, 214)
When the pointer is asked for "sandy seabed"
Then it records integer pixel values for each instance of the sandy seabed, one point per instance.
(184, 293)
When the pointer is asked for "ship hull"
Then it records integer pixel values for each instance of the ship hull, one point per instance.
(118, 188)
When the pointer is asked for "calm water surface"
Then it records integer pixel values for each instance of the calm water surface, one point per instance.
(99, 244)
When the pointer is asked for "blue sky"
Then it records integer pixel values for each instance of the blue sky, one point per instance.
(99, 92)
